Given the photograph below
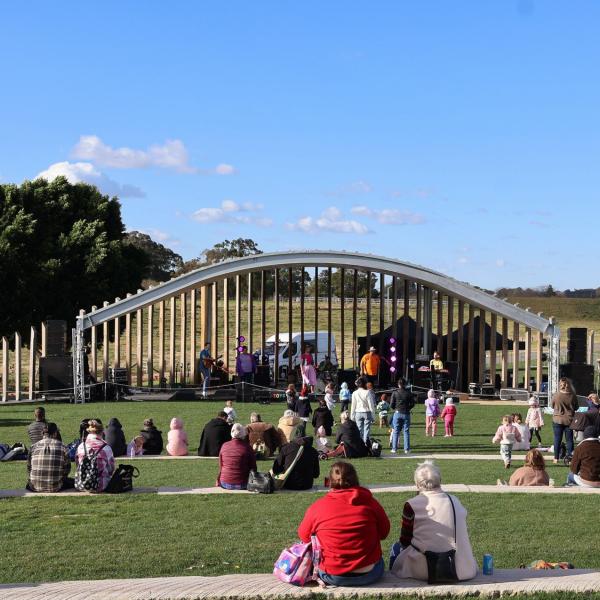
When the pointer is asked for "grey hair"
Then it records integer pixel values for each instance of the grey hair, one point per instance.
(344, 416)
(428, 476)
(238, 431)
(254, 417)
(288, 413)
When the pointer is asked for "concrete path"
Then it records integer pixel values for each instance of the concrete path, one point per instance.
(503, 582)
(459, 488)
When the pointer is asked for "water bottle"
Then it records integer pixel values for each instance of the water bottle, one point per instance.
(132, 451)
(488, 564)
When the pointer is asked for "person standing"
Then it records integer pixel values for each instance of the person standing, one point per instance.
(564, 404)
(402, 403)
(369, 365)
(205, 367)
(245, 366)
(362, 409)
(307, 368)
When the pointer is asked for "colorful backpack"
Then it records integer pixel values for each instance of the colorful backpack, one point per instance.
(299, 563)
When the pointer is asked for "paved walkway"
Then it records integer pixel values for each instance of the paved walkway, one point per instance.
(503, 582)
(459, 488)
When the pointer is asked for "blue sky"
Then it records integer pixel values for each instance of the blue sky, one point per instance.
(463, 136)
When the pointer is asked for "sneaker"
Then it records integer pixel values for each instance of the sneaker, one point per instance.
(407, 452)
(392, 451)
(447, 435)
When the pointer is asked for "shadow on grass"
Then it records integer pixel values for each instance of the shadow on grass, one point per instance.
(14, 422)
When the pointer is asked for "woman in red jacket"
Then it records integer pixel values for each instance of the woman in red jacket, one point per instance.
(236, 460)
(349, 524)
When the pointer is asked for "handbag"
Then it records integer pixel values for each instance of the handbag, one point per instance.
(579, 421)
(299, 564)
(441, 566)
(261, 483)
(122, 479)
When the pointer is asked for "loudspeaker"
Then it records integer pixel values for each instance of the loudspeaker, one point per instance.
(56, 338)
(117, 375)
(349, 376)
(56, 373)
(262, 376)
(577, 356)
(577, 334)
(581, 375)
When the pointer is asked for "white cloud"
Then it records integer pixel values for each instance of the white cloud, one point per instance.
(500, 262)
(224, 169)
(389, 216)
(463, 260)
(161, 236)
(331, 219)
(232, 212)
(86, 172)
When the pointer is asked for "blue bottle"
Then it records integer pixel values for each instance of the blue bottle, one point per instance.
(488, 564)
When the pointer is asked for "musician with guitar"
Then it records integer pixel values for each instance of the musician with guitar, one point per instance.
(205, 366)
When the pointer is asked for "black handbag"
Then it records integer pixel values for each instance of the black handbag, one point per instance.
(261, 483)
(122, 479)
(441, 566)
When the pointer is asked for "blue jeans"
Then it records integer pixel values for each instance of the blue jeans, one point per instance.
(558, 436)
(401, 421)
(205, 379)
(363, 422)
(368, 578)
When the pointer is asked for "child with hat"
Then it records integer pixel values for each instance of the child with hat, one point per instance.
(534, 420)
(449, 414)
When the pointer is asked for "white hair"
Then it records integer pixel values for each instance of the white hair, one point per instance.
(288, 413)
(254, 417)
(344, 416)
(427, 476)
(238, 431)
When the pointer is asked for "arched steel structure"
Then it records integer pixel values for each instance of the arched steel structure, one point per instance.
(427, 282)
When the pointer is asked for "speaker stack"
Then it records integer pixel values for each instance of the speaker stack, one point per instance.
(56, 338)
(56, 373)
(576, 369)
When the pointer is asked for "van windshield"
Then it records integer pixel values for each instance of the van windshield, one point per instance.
(294, 350)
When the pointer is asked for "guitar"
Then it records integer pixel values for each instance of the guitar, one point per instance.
(209, 361)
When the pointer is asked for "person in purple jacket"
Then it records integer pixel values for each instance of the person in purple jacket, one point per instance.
(245, 366)
(432, 412)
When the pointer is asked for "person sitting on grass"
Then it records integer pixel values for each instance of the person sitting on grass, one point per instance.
(215, 433)
(153, 441)
(349, 440)
(533, 472)
(136, 446)
(349, 524)
(35, 431)
(177, 439)
(322, 417)
(115, 437)
(306, 468)
(236, 460)
(289, 426)
(585, 464)
(260, 433)
(432, 521)
(105, 461)
(48, 463)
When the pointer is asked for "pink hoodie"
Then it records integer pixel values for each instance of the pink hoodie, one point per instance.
(177, 439)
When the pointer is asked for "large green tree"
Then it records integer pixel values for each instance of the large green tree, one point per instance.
(61, 249)
(162, 261)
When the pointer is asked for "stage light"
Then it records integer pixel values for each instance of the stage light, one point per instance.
(392, 369)
(241, 339)
(393, 349)
(240, 348)
(392, 341)
(393, 358)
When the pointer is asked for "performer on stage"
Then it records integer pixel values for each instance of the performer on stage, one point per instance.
(436, 362)
(205, 367)
(369, 365)
(307, 368)
(245, 366)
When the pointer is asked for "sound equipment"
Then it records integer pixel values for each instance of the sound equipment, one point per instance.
(347, 375)
(118, 375)
(262, 376)
(581, 375)
(225, 394)
(481, 389)
(576, 345)
(56, 338)
(577, 334)
(56, 373)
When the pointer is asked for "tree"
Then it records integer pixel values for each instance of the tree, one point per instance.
(336, 284)
(230, 249)
(61, 249)
(162, 261)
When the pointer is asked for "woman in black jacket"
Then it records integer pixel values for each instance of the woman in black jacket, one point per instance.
(350, 444)
(115, 437)
(323, 417)
(153, 442)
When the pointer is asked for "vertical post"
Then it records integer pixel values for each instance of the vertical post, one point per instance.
(516, 354)
(150, 356)
(427, 319)
(527, 376)
(117, 335)
(263, 314)
(128, 352)
(183, 336)
(44, 336)
(460, 344)
(225, 321)
(204, 333)
(161, 342)
(193, 336)
(539, 362)
(94, 349)
(368, 340)
(5, 369)
(382, 297)
(172, 340)
(590, 348)
(470, 344)
(316, 348)
(395, 309)
(214, 319)
(504, 353)
(105, 348)
(290, 321)
(238, 309)
(450, 330)
(355, 357)
(276, 344)
(17, 366)
(481, 345)
(440, 323)
(302, 294)
(329, 292)
(139, 348)
(418, 322)
(342, 318)
(405, 327)
(32, 358)
(493, 335)
(250, 340)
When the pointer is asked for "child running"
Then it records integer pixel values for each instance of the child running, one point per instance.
(449, 414)
(345, 396)
(506, 434)
(534, 420)
(432, 412)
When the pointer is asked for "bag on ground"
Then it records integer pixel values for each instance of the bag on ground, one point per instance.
(4, 450)
(260, 449)
(122, 479)
(17, 452)
(72, 449)
(299, 563)
(375, 448)
(261, 483)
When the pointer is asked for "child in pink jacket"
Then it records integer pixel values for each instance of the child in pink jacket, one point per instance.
(507, 434)
(449, 414)
(177, 439)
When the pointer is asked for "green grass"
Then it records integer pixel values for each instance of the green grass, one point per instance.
(143, 536)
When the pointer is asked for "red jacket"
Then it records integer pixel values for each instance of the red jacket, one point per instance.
(349, 524)
(236, 460)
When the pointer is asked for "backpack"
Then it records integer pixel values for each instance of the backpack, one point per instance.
(259, 448)
(17, 452)
(72, 449)
(299, 563)
(87, 477)
(375, 448)
(122, 479)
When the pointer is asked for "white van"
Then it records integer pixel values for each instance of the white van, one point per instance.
(318, 342)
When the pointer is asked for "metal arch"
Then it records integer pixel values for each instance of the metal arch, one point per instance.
(353, 260)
